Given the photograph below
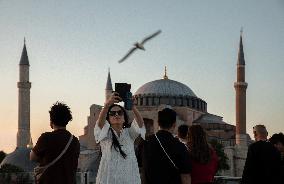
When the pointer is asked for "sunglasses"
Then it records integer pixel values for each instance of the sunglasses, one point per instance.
(113, 113)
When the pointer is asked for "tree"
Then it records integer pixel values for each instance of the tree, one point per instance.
(13, 174)
(9, 168)
(219, 148)
(2, 155)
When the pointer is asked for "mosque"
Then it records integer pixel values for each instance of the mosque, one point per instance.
(191, 109)
(151, 97)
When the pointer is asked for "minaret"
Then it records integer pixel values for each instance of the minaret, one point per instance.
(108, 90)
(240, 87)
(24, 135)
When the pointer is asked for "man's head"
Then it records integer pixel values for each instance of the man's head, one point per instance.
(278, 141)
(182, 131)
(167, 118)
(260, 132)
(60, 114)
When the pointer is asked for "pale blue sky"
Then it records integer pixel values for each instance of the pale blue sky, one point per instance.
(72, 43)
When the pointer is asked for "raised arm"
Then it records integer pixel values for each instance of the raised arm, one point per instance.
(114, 98)
(138, 117)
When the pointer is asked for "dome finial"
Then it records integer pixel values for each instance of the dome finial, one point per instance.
(165, 76)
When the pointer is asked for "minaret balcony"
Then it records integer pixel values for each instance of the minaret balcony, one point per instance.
(239, 85)
(26, 85)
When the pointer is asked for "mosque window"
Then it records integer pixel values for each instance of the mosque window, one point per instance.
(193, 103)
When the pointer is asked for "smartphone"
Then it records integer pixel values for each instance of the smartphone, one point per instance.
(122, 89)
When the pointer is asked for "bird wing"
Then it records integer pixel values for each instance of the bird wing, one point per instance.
(128, 54)
(150, 37)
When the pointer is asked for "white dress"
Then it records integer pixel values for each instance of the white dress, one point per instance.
(114, 169)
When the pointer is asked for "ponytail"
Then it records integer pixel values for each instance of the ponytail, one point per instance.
(116, 145)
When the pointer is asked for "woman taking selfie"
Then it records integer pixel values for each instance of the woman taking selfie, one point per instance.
(116, 137)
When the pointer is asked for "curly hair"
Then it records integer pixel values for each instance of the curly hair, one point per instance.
(115, 142)
(199, 148)
(60, 114)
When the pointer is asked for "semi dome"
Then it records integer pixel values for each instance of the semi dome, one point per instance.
(165, 87)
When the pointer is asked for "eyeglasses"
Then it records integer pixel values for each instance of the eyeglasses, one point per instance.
(113, 113)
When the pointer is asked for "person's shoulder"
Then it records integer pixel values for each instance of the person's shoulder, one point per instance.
(180, 145)
(150, 138)
(261, 145)
(75, 139)
(177, 141)
(255, 144)
(46, 135)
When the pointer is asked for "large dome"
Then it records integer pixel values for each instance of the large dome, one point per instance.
(165, 87)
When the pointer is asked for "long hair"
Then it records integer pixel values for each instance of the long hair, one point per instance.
(199, 148)
(115, 143)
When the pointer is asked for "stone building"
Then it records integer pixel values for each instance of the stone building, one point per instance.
(151, 98)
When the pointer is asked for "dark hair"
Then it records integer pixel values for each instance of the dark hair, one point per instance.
(182, 131)
(60, 114)
(275, 138)
(199, 148)
(115, 142)
(166, 118)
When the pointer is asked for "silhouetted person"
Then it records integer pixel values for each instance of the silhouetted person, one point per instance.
(263, 160)
(165, 159)
(203, 157)
(278, 141)
(51, 144)
(182, 133)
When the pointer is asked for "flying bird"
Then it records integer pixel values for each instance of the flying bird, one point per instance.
(140, 46)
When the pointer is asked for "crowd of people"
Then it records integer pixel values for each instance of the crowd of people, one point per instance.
(166, 158)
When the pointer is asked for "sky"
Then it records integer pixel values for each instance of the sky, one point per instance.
(72, 43)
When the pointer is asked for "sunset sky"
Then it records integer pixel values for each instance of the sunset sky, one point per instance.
(72, 43)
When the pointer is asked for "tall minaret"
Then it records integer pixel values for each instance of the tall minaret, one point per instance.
(108, 90)
(24, 135)
(240, 87)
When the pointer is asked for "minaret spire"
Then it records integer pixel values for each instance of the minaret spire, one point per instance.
(241, 58)
(108, 90)
(24, 86)
(165, 75)
(24, 58)
(240, 87)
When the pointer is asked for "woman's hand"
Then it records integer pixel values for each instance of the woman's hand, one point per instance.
(114, 98)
